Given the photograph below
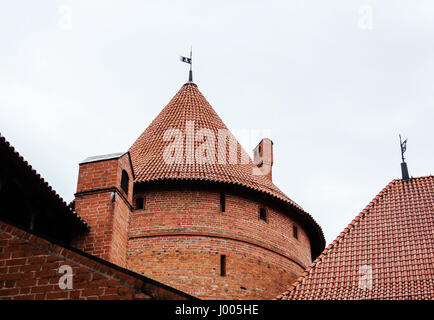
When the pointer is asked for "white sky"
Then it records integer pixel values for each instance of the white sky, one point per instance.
(333, 93)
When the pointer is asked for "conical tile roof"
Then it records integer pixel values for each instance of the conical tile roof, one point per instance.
(188, 109)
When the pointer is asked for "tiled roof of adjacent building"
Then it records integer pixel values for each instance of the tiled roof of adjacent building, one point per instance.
(35, 179)
(190, 105)
(386, 252)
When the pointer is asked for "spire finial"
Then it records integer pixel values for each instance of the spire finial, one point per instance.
(404, 168)
(189, 61)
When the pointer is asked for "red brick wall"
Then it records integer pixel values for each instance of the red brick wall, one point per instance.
(97, 175)
(122, 213)
(29, 270)
(121, 220)
(97, 210)
(108, 219)
(178, 238)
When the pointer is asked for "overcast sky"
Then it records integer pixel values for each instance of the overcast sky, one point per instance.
(332, 83)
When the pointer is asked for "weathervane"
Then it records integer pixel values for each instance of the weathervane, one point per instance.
(404, 169)
(403, 147)
(189, 61)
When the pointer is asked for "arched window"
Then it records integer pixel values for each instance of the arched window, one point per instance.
(125, 179)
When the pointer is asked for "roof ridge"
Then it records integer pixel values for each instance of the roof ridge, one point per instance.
(338, 239)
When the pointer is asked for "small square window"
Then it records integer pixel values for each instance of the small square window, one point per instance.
(263, 214)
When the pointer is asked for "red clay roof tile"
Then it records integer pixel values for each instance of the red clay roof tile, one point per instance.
(392, 237)
(19, 160)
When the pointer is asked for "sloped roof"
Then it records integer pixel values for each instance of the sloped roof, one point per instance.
(9, 151)
(190, 105)
(391, 242)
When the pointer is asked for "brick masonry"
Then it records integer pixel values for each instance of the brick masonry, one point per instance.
(29, 270)
(179, 236)
(106, 208)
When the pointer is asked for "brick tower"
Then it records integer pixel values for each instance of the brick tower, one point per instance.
(104, 196)
(201, 216)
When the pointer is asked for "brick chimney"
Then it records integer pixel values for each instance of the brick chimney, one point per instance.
(263, 157)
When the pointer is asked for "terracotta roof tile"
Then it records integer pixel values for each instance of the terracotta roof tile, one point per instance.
(28, 169)
(392, 238)
(190, 105)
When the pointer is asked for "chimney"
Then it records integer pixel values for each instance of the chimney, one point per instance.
(263, 157)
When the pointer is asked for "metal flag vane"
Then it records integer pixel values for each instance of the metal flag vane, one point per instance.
(403, 147)
(189, 61)
(404, 169)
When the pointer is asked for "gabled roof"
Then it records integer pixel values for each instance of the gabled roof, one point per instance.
(190, 105)
(390, 242)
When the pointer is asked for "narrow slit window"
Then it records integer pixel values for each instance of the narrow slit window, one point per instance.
(125, 179)
(223, 265)
(295, 232)
(263, 214)
(139, 203)
(222, 202)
